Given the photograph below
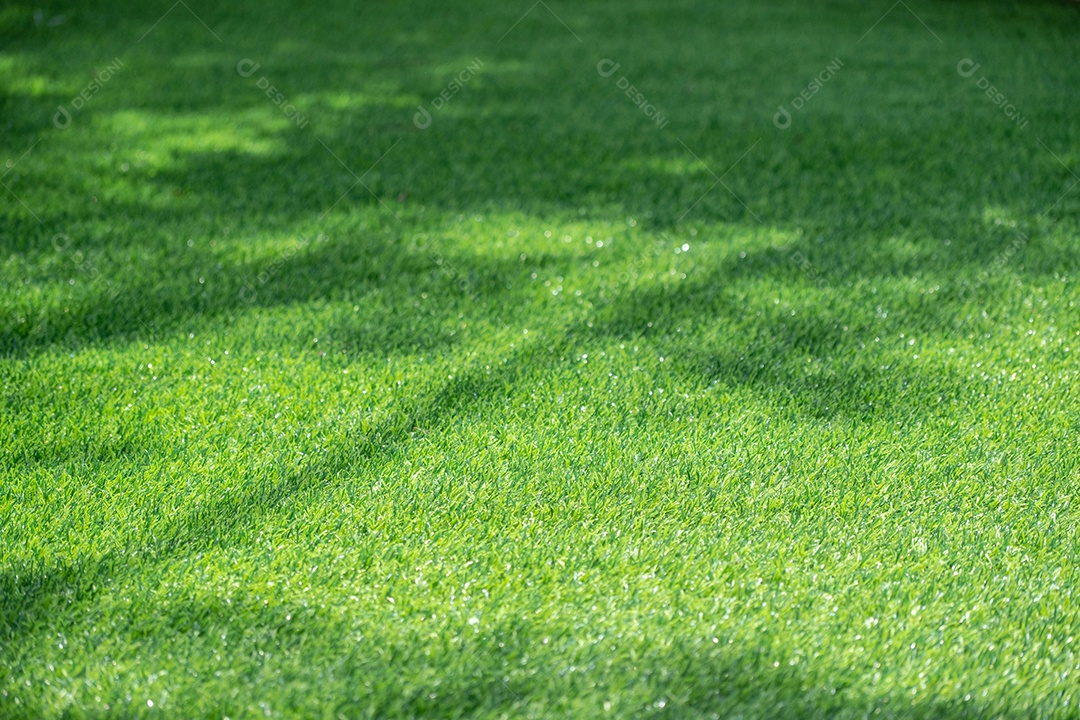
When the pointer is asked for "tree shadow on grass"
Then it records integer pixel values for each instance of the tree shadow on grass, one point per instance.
(495, 674)
(30, 594)
(403, 669)
(554, 173)
(809, 354)
(769, 363)
(852, 187)
(853, 232)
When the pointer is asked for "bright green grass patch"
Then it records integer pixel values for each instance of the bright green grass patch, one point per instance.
(325, 412)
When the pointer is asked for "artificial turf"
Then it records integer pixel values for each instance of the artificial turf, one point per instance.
(400, 359)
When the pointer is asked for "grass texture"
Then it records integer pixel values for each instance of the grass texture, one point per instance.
(607, 359)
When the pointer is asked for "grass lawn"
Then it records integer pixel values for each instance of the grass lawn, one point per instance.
(609, 359)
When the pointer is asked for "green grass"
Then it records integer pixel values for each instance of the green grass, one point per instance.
(529, 422)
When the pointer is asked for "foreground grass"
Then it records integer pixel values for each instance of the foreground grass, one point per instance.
(524, 424)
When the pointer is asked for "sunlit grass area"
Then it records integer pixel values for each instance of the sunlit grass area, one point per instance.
(394, 360)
